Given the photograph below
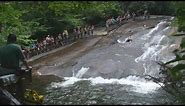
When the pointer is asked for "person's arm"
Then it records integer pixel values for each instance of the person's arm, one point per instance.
(25, 63)
(22, 58)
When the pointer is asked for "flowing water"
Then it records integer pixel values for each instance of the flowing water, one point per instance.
(113, 74)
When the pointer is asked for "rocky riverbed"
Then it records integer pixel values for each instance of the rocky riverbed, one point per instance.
(107, 59)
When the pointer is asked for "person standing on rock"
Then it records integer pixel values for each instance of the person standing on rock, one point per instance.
(109, 22)
(146, 14)
(107, 26)
(48, 41)
(133, 16)
(78, 33)
(85, 31)
(10, 57)
(65, 35)
(92, 30)
(113, 21)
(11, 54)
(60, 39)
(75, 34)
(82, 32)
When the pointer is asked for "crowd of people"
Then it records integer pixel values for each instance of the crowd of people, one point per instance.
(51, 42)
(127, 16)
(119, 19)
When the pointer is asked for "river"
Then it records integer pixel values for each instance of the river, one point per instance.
(113, 74)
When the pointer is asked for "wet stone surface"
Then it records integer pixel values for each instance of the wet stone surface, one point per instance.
(112, 60)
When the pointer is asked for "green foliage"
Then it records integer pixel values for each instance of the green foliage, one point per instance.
(180, 10)
(182, 45)
(12, 22)
(85, 12)
(36, 19)
(154, 7)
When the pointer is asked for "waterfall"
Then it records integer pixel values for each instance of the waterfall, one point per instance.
(153, 48)
(153, 30)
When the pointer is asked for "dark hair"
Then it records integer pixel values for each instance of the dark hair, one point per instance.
(11, 38)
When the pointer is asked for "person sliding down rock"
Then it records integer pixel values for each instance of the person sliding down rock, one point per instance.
(129, 39)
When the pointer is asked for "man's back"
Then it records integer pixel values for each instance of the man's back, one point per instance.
(10, 56)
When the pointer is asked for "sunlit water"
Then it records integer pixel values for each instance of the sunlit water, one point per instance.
(114, 74)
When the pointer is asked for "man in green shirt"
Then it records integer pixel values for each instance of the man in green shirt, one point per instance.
(10, 57)
(11, 54)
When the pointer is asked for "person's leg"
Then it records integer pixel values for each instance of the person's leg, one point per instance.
(20, 90)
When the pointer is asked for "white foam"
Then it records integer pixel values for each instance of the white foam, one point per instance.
(153, 48)
(172, 18)
(139, 84)
(153, 31)
(75, 78)
(147, 54)
(82, 71)
(119, 41)
(69, 81)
